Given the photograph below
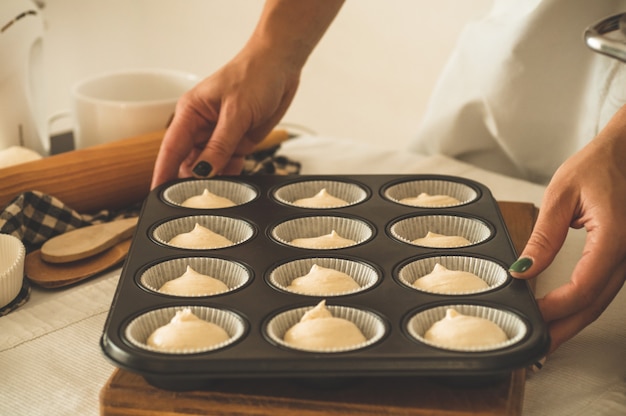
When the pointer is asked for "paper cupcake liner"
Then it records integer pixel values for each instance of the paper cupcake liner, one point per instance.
(310, 227)
(140, 328)
(410, 229)
(234, 229)
(411, 189)
(233, 274)
(349, 192)
(510, 323)
(365, 275)
(237, 192)
(371, 325)
(12, 255)
(492, 273)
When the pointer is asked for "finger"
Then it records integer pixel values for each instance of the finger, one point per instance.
(178, 143)
(226, 139)
(564, 329)
(167, 162)
(590, 275)
(234, 166)
(547, 238)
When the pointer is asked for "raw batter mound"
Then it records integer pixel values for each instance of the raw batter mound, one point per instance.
(441, 241)
(426, 200)
(318, 330)
(332, 240)
(323, 281)
(200, 238)
(463, 331)
(321, 200)
(207, 200)
(187, 331)
(192, 283)
(445, 281)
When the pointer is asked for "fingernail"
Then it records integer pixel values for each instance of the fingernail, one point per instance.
(538, 365)
(521, 265)
(202, 169)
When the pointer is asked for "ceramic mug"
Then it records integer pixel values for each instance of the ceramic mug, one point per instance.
(122, 104)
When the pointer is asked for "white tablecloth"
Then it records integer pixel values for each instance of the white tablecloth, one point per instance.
(51, 362)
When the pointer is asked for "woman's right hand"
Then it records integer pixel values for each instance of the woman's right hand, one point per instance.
(221, 119)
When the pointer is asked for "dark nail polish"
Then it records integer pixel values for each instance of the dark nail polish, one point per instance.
(537, 366)
(202, 169)
(521, 265)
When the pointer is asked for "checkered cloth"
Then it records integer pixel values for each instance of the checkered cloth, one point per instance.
(35, 217)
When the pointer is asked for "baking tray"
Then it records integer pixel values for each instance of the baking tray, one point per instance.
(254, 354)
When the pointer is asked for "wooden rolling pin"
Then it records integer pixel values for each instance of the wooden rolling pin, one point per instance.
(108, 176)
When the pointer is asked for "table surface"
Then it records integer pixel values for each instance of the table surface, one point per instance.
(51, 361)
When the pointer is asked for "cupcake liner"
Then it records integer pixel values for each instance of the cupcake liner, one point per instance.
(510, 323)
(371, 325)
(140, 328)
(310, 227)
(233, 274)
(411, 189)
(234, 229)
(12, 255)
(237, 192)
(410, 229)
(349, 192)
(365, 275)
(492, 273)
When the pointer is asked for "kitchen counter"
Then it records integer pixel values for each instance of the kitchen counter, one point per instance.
(52, 364)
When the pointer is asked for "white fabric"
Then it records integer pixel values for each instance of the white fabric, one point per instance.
(521, 91)
(51, 362)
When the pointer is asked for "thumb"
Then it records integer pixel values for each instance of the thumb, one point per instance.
(546, 240)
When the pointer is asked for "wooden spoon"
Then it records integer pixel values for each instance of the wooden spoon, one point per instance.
(51, 275)
(87, 241)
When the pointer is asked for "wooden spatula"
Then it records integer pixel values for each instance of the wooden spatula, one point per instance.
(87, 241)
(55, 275)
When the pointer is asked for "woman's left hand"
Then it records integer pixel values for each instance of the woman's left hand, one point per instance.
(588, 190)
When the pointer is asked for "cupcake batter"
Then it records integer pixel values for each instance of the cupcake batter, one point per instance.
(200, 238)
(445, 281)
(192, 283)
(207, 200)
(318, 330)
(187, 331)
(462, 331)
(321, 200)
(426, 200)
(441, 241)
(323, 281)
(332, 240)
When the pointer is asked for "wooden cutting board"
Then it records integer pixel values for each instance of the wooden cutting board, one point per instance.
(129, 394)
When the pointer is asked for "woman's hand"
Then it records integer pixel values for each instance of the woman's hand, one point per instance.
(220, 120)
(588, 190)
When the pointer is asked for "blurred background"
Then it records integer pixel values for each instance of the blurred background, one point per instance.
(369, 78)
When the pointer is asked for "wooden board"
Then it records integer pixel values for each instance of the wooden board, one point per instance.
(129, 394)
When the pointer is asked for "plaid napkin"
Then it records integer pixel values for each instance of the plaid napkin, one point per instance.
(35, 217)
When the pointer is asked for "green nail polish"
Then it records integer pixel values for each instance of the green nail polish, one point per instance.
(521, 265)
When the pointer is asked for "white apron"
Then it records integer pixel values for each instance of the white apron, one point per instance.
(521, 91)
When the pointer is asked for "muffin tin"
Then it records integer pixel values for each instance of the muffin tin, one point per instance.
(258, 308)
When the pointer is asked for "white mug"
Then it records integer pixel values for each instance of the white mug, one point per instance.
(122, 104)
